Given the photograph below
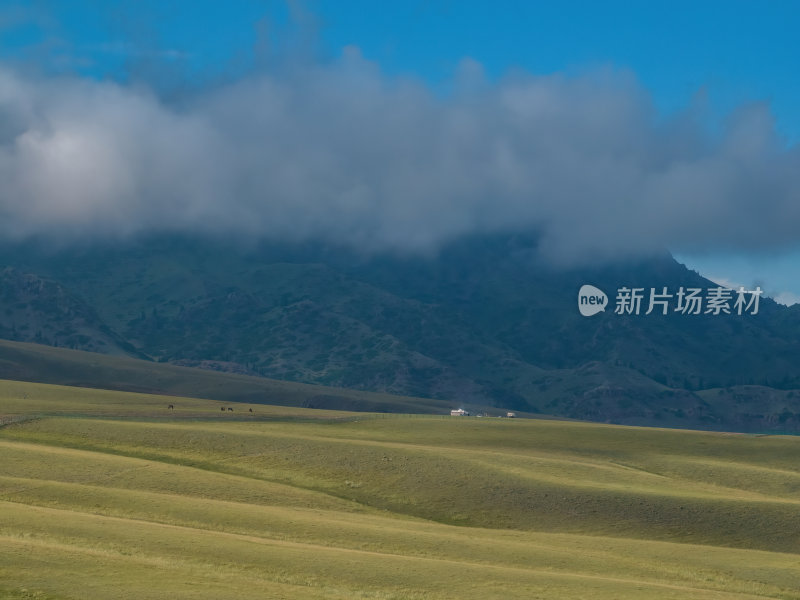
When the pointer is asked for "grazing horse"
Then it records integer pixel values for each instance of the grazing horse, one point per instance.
(230, 409)
(171, 406)
(222, 408)
(251, 410)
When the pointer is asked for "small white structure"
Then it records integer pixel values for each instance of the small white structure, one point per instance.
(459, 412)
(511, 415)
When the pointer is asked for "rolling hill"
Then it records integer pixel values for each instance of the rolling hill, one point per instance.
(113, 495)
(38, 363)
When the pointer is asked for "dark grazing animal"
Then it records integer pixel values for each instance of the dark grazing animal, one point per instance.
(230, 409)
(171, 406)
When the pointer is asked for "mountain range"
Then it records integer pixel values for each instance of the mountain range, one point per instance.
(483, 322)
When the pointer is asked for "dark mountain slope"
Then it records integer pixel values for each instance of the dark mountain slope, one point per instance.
(483, 322)
(40, 310)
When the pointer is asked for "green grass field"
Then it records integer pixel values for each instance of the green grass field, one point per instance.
(62, 366)
(111, 495)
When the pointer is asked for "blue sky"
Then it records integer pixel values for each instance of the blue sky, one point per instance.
(721, 54)
(734, 51)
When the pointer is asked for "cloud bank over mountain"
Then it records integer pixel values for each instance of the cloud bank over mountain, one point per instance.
(341, 152)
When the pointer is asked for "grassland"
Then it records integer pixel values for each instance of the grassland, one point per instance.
(112, 495)
(45, 364)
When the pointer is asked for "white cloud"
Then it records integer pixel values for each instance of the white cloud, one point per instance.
(726, 283)
(341, 152)
(787, 298)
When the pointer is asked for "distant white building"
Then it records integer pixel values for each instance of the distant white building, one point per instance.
(459, 412)
(511, 415)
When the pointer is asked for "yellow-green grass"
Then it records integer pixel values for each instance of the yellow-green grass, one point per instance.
(46, 364)
(24, 399)
(101, 499)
